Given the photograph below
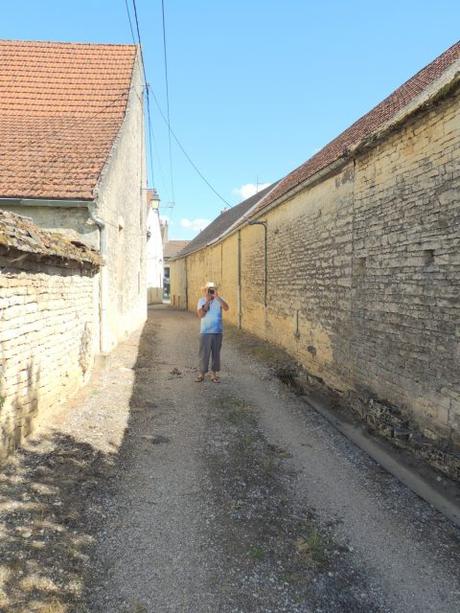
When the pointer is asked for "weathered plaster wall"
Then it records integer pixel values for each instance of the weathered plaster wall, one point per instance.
(363, 273)
(60, 218)
(48, 339)
(121, 204)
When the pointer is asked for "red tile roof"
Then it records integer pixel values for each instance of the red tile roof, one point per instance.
(61, 106)
(366, 126)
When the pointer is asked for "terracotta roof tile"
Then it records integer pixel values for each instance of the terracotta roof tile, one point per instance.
(367, 125)
(61, 106)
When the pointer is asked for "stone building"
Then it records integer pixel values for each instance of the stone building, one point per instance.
(170, 249)
(352, 261)
(73, 160)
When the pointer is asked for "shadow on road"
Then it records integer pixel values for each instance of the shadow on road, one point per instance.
(49, 514)
(53, 501)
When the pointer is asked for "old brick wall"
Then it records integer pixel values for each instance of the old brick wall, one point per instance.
(363, 273)
(48, 339)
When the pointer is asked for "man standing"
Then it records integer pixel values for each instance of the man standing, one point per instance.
(209, 310)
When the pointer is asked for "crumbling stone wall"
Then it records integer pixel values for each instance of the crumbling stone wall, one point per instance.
(49, 324)
(363, 274)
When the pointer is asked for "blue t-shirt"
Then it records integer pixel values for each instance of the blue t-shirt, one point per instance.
(211, 323)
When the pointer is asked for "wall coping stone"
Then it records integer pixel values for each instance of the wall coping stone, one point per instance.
(20, 236)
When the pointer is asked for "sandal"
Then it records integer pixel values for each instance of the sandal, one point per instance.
(215, 379)
(199, 379)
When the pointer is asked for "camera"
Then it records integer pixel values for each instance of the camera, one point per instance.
(211, 291)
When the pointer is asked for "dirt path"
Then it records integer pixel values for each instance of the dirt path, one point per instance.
(157, 494)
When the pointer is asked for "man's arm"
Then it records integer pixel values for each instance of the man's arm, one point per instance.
(203, 309)
(222, 302)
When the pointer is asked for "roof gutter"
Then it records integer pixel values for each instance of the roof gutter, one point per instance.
(65, 204)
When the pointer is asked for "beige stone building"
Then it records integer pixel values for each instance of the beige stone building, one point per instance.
(73, 160)
(352, 261)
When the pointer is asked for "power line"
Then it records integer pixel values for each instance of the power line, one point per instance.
(149, 120)
(167, 103)
(130, 22)
(139, 40)
(181, 147)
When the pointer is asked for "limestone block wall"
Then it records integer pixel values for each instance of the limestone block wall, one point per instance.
(363, 280)
(406, 269)
(48, 339)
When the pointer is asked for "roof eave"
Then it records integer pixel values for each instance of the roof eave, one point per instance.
(70, 203)
(439, 89)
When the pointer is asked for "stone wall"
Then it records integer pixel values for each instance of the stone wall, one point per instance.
(363, 273)
(48, 330)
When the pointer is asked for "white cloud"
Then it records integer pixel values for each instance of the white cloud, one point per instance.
(249, 189)
(194, 224)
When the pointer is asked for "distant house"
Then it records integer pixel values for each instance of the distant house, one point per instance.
(154, 249)
(72, 159)
(170, 250)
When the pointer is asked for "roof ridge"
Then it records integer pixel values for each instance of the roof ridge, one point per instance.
(33, 42)
(399, 98)
(223, 222)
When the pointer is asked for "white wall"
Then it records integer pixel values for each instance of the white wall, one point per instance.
(154, 257)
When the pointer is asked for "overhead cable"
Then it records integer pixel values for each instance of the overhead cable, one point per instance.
(165, 119)
(167, 103)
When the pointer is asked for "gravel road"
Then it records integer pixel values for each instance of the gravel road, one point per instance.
(154, 493)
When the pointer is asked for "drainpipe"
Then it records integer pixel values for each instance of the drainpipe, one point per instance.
(186, 285)
(264, 224)
(102, 280)
(238, 297)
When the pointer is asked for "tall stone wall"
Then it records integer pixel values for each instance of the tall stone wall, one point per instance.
(406, 273)
(363, 273)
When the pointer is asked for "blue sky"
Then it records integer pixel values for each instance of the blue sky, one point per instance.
(256, 86)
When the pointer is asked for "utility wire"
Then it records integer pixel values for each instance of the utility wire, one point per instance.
(167, 104)
(130, 22)
(149, 120)
(179, 144)
(165, 119)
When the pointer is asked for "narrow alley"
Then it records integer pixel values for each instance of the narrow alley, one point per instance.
(153, 493)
